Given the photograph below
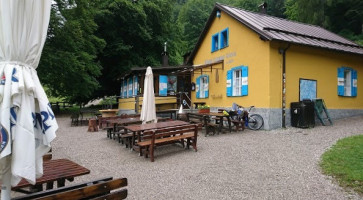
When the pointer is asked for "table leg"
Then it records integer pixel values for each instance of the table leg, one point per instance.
(229, 124)
(61, 182)
(49, 185)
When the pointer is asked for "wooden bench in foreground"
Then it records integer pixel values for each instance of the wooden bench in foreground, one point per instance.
(106, 188)
(163, 136)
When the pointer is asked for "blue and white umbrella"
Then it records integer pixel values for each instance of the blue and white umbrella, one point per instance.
(27, 122)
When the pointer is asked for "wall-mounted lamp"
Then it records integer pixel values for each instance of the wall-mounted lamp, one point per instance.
(218, 14)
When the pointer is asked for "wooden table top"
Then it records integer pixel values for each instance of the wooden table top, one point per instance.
(143, 127)
(54, 170)
(124, 120)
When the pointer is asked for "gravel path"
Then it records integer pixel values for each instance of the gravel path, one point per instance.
(278, 164)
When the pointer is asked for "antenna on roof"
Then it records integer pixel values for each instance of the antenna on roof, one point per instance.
(263, 7)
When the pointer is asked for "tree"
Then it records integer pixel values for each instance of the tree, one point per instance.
(307, 11)
(68, 66)
(135, 34)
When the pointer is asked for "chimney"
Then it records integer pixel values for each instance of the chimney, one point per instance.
(164, 57)
(263, 8)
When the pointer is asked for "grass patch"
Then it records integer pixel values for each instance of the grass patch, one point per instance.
(344, 161)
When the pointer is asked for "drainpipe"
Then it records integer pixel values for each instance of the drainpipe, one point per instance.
(283, 52)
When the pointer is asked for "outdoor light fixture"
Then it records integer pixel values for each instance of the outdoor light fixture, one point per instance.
(218, 14)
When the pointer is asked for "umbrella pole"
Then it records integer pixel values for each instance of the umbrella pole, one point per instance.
(6, 179)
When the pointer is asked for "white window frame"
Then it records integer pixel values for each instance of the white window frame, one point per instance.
(237, 83)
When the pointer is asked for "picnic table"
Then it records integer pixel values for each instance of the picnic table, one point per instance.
(219, 117)
(137, 129)
(58, 170)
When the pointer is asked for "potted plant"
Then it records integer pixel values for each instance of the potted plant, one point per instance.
(203, 108)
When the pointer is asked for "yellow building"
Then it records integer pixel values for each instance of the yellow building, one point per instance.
(254, 59)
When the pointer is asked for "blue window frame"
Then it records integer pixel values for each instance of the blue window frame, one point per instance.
(224, 35)
(237, 81)
(215, 42)
(202, 88)
(347, 82)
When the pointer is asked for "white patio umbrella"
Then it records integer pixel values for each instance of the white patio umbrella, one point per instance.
(27, 123)
(148, 111)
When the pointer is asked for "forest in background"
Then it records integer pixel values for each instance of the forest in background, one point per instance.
(91, 43)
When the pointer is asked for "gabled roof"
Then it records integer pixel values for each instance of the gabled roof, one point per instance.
(274, 28)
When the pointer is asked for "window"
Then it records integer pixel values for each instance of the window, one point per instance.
(220, 40)
(347, 82)
(215, 43)
(224, 39)
(202, 88)
(237, 81)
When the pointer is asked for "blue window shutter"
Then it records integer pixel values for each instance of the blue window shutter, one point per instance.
(206, 92)
(136, 85)
(354, 83)
(229, 83)
(341, 81)
(163, 85)
(227, 42)
(244, 81)
(197, 89)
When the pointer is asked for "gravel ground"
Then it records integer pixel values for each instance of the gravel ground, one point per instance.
(278, 164)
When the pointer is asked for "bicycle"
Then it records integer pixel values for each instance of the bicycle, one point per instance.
(253, 121)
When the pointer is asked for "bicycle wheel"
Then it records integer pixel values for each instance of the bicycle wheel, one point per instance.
(255, 122)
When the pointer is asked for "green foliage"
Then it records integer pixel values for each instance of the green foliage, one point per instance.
(307, 11)
(135, 34)
(68, 66)
(204, 106)
(344, 161)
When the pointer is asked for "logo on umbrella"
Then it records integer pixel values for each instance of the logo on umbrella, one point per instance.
(3, 79)
(4, 138)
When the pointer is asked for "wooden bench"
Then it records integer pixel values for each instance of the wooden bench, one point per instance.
(202, 120)
(74, 119)
(58, 170)
(157, 137)
(238, 123)
(106, 188)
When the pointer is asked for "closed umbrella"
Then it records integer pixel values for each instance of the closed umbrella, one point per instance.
(148, 111)
(27, 122)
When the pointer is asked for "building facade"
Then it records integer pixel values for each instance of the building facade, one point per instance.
(254, 59)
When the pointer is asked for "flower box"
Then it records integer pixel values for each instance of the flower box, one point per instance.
(204, 110)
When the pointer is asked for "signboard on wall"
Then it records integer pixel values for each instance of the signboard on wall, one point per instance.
(307, 89)
(163, 85)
